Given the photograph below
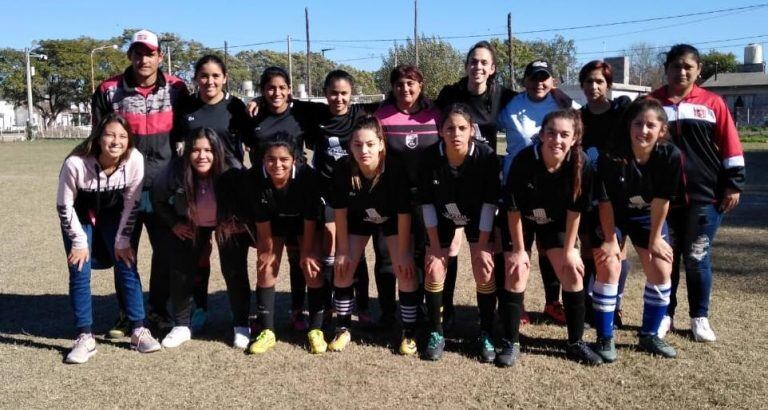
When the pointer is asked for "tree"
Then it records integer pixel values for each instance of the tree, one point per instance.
(646, 65)
(440, 63)
(715, 61)
(561, 53)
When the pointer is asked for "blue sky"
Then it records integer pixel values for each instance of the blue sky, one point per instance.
(249, 22)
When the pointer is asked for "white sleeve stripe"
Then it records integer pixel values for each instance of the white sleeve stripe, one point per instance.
(732, 162)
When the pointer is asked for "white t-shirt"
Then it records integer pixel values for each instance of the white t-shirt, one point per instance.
(521, 119)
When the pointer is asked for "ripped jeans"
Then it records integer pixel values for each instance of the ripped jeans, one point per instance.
(692, 230)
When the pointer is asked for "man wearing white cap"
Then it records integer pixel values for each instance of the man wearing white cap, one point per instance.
(146, 98)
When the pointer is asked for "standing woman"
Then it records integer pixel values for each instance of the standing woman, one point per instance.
(549, 185)
(216, 109)
(369, 196)
(600, 116)
(522, 119)
(459, 187)
(282, 115)
(188, 199)
(409, 121)
(285, 201)
(484, 98)
(703, 129)
(639, 178)
(97, 200)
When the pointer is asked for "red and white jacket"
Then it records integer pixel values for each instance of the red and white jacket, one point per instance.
(702, 128)
(86, 192)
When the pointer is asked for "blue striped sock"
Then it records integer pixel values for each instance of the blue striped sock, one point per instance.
(604, 304)
(656, 300)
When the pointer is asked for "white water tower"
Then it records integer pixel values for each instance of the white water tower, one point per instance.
(753, 54)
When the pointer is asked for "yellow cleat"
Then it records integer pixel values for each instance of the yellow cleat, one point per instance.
(317, 343)
(263, 342)
(340, 341)
(408, 346)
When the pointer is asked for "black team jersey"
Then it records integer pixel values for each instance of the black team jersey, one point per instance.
(288, 207)
(371, 203)
(458, 194)
(227, 117)
(544, 197)
(484, 108)
(599, 128)
(295, 121)
(630, 186)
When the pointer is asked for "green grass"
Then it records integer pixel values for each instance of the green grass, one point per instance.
(36, 332)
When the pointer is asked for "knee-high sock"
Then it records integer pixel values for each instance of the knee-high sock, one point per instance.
(622, 282)
(344, 302)
(603, 305)
(327, 272)
(361, 285)
(316, 302)
(656, 301)
(549, 278)
(511, 309)
(486, 304)
(298, 285)
(434, 298)
(450, 282)
(573, 302)
(409, 303)
(266, 306)
(590, 274)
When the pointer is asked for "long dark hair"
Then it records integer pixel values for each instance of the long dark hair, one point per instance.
(578, 131)
(335, 75)
(92, 146)
(488, 46)
(368, 122)
(210, 58)
(190, 178)
(272, 72)
(621, 147)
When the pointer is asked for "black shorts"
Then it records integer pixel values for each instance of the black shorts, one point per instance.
(365, 228)
(446, 230)
(547, 236)
(637, 228)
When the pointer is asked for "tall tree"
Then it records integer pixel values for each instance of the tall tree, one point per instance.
(715, 61)
(646, 64)
(439, 61)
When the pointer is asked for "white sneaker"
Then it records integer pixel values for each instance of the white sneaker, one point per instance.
(242, 337)
(83, 349)
(143, 342)
(701, 330)
(665, 326)
(177, 336)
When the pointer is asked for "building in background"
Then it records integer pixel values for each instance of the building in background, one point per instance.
(620, 87)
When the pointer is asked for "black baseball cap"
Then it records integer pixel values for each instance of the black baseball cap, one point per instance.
(538, 66)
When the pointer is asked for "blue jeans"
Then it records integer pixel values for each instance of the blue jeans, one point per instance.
(692, 230)
(127, 279)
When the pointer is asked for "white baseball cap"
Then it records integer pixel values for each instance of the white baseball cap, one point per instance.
(145, 37)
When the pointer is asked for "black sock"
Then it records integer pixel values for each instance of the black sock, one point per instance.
(265, 307)
(486, 305)
(590, 273)
(316, 301)
(549, 278)
(343, 301)
(409, 304)
(511, 308)
(361, 285)
(298, 284)
(449, 286)
(327, 272)
(573, 302)
(498, 272)
(434, 298)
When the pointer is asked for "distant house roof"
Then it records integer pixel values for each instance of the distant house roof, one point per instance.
(736, 80)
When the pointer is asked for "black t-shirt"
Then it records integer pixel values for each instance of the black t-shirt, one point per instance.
(227, 117)
(458, 194)
(330, 134)
(631, 186)
(599, 128)
(371, 203)
(545, 197)
(299, 198)
(294, 121)
(484, 108)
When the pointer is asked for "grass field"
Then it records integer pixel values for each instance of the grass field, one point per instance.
(36, 332)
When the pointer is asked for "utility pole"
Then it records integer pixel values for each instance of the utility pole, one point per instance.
(396, 62)
(509, 51)
(168, 51)
(290, 64)
(226, 52)
(309, 68)
(416, 29)
(30, 110)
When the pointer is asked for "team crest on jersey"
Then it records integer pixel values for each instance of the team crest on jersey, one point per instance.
(540, 216)
(637, 202)
(699, 112)
(412, 140)
(190, 118)
(453, 213)
(373, 216)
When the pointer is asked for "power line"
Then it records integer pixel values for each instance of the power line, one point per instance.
(668, 46)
